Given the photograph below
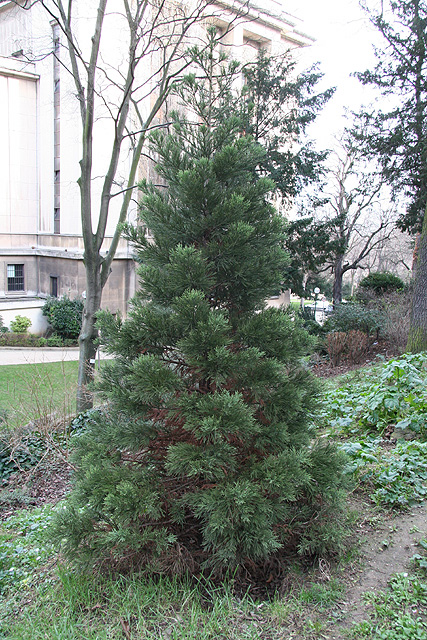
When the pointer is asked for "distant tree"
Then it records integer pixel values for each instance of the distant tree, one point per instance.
(279, 104)
(396, 134)
(352, 218)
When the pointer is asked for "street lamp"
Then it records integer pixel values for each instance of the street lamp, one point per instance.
(316, 293)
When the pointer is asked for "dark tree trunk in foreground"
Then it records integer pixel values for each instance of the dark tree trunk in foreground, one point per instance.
(417, 339)
(338, 276)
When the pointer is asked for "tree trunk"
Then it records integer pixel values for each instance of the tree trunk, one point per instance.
(88, 336)
(417, 339)
(338, 274)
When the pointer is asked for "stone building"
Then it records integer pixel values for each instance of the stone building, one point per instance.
(41, 245)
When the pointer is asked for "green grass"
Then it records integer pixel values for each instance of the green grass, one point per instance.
(40, 598)
(31, 391)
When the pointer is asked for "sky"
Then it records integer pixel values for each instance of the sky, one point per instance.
(343, 45)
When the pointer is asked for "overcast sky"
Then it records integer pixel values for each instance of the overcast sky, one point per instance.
(343, 45)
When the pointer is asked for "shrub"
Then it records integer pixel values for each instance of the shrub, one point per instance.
(337, 342)
(54, 341)
(3, 329)
(21, 340)
(354, 344)
(382, 282)
(64, 315)
(356, 317)
(20, 324)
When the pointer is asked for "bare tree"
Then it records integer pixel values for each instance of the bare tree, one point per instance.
(154, 36)
(357, 222)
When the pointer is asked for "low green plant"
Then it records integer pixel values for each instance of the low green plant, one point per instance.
(351, 316)
(3, 329)
(23, 547)
(396, 396)
(20, 324)
(54, 341)
(397, 614)
(420, 559)
(396, 478)
(64, 315)
(29, 340)
(24, 455)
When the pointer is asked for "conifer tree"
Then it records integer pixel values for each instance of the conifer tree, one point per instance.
(205, 452)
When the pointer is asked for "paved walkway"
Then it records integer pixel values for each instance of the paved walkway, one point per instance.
(21, 355)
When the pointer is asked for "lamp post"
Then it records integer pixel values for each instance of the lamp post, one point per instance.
(316, 293)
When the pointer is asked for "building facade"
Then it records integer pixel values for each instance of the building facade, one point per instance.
(41, 245)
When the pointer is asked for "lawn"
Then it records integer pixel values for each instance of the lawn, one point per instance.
(31, 391)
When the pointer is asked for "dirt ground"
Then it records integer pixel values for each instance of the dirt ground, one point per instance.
(387, 546)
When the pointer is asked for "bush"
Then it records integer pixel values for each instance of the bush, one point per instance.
(20, 324)
(382, 282)
(54, 341)
(65, 316)
(3, 329)
(309, 322)
(354, 344)
(21, 340)
(356, 317)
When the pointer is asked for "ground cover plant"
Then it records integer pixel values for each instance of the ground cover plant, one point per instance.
(393, 397)
(397, 613)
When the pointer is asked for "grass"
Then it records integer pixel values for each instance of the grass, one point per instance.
(42, 600)
(31, 391)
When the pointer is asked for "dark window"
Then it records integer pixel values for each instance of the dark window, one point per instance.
(15, 277)
(54, 286)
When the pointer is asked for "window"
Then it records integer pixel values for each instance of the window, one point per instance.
(15, 277)
(54, 286)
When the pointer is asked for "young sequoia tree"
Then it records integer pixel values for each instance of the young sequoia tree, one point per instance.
(205, 452)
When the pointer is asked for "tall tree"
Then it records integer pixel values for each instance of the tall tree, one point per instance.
(397, 135)
(355, 218)
(279, 104)
(204, 457)
(129, 89)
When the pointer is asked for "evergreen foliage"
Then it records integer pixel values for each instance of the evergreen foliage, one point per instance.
(204, 456)
(382, 282)
(64, 315)
(396, 133)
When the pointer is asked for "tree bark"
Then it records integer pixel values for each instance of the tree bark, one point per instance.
(338, 275)
(417, 339)
(88, 336)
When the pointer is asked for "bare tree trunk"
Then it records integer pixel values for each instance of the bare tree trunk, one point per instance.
(338, 275)
(417, 339)
(88, 335)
